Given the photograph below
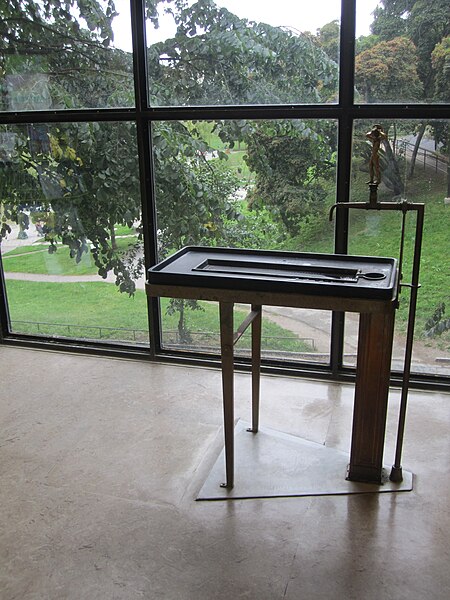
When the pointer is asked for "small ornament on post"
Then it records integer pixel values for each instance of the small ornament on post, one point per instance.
(376, 135)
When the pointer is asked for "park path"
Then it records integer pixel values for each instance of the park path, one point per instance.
(427, 157)
(54, 278)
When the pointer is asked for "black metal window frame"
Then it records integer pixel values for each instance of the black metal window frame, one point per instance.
(344, 113)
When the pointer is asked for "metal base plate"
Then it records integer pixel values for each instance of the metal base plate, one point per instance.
(273, 464)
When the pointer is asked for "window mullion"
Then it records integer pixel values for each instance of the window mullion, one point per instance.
(346, 95)
(145, 155)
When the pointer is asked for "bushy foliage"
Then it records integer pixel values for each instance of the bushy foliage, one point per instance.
(387, 72)
(217, 58)
(437, 323)
(290, 160)
(440, 60)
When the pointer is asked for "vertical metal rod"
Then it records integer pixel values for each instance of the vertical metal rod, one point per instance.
(256, 367)
(401, 252)
(396, 471)
(226, 346)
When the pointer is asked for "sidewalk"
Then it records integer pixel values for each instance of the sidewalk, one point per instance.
(11, 242)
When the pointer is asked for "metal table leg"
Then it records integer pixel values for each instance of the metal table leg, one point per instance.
(256, 366)
(226, 345)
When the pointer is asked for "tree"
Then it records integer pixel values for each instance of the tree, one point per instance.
(390, 19)
(365, 42)
(194, 194)
(263, 63)
(429, 23)
(440, 61)
(440, 58)
(218, 58)
(215, 57)
(328, 37)
(66, 47)
(387, 72)
(83, 180)
(290, 159)
(426, 23)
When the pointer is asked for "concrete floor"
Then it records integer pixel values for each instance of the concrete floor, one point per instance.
(101, 461)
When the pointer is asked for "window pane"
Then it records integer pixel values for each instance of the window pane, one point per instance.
(70, 202)
(65, 55)
(405, 54)
(229, 52)
(414, 165)
(246, 184)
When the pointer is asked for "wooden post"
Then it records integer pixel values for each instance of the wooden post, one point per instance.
(371, 396)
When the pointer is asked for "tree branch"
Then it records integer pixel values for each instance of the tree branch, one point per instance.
(57, 32)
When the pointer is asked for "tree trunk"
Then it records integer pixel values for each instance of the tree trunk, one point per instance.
(394, 139)
(412, 162)
(183, 335)
(112, 233)
(391, 175)
(448, 175)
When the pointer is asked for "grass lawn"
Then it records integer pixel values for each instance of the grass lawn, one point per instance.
(36, 259)
(378, 234)
(36, 247)
(374, 233)
(100, 305)
(124, 230)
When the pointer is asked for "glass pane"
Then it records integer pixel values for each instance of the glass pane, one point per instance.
(70, 218)
(231, 52)
(404, 56)
(65, 55)
(414, 165)
(246, 184)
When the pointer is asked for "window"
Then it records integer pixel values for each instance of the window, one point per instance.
(78, 228)
(131, 129)
(416, 171)
(232, 53)
(246, 184)
(61, 56)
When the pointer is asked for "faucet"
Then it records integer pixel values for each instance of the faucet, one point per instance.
(372, 204)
